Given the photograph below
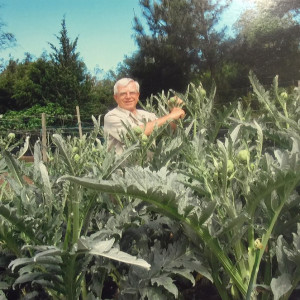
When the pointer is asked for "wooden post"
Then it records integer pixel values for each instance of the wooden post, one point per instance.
(44, 138)
(79, 122)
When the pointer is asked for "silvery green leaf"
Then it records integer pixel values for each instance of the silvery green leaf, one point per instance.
(296, 145)
(152, 293)
(296, 238)
(281, 285)
(234, 134)
(61, 144)
(50, 252)
(37, 155)
(3, 286)
(207, 212)
(166, 282)
(28, 277)
(2, 295)
(82, 245)
(19, 262)
(2, 165)
(14, 168)
(96, 122)
(46, 182)
(104, 248)
(24, 149)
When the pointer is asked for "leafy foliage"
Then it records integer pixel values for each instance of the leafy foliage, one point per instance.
(59, 79)
(31, 118)
(218, 199)
(179, 39)
(267, 40)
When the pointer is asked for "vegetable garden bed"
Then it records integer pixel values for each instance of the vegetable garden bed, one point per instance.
(204, 216)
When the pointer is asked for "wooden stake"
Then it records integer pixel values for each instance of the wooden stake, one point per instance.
(44, 138)
(79, 122)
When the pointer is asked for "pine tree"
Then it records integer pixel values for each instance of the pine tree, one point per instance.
(180, 41)
(71, 81)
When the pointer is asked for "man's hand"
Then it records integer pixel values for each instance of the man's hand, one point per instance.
(177, 113)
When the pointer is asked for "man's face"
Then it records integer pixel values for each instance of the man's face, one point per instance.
(127, 97)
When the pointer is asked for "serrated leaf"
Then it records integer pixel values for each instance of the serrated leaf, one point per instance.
(236, 222)
(186, 274)
(160, 188)
(153, 293)
(167, 283)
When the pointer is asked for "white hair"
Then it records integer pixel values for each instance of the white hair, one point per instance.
(125, 82)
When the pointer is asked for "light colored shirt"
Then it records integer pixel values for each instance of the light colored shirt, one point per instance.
(114, 128)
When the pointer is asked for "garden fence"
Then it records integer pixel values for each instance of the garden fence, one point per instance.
(45, 131)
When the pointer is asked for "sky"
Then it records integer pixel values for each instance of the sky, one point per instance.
(104, 28)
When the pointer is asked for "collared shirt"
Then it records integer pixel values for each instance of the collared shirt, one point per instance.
(113, 124)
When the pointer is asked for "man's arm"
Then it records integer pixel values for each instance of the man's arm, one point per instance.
(175, 114)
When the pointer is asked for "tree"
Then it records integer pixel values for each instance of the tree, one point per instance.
(71, 82)
(7, 85)
(280, 8)
(58, 78)
(7, 39)
(268, 41)
(181, 40)
(24, 84)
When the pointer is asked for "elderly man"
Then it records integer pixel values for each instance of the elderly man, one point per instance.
(126, 94)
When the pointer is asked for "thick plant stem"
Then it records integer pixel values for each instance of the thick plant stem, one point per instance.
(75, 212)
(212, 243)
(69, 277)
(69, 227)
(253, 275)
(267, 235)
(84, 295)
(215, 276)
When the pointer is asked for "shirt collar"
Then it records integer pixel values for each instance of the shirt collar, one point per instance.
(127, 112)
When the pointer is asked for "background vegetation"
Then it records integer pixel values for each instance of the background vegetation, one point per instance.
(208, 211)
(181, 42)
